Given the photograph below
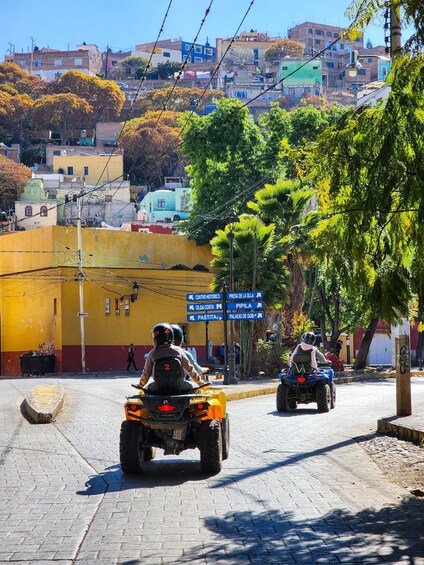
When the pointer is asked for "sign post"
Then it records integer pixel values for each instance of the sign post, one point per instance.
(226, 306)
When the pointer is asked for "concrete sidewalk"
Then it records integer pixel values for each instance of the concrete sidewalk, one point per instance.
(44, 402)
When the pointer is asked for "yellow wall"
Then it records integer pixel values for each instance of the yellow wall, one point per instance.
(27, 311)
(101, 168)
(39, 266)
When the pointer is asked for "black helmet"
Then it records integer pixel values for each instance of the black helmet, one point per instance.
(308, 337)
(178, 334)
(162, 333)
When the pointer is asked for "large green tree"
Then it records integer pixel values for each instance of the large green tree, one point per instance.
(368, 171)
(225, 151)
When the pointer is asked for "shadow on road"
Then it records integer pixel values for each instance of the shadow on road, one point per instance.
(157, 473)
(392, 534)
(240, 476)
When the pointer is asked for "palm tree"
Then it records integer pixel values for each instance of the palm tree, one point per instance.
(284, 205)
(259, 264)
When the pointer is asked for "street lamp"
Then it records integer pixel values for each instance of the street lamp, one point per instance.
(232, 377)
(354, 65)
(134, 295)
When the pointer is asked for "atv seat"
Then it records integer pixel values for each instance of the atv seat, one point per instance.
(168, 375)
(302, 364)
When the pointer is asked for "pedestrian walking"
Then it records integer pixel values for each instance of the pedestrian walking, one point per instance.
(130, 358)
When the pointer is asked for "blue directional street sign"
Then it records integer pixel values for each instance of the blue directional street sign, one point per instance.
(245, 305)
(254, 295)
(207, 306)
(212, 317)
(204, 296)
(245, 315)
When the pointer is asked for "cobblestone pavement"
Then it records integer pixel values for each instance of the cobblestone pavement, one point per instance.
(401, 461)
(297, 488)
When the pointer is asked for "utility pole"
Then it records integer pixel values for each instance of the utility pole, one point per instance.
(395, 30)
(81, 312)
(107, 59)
(32, 56)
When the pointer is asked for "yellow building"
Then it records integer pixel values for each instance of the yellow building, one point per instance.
(40, 303)
(94, 169)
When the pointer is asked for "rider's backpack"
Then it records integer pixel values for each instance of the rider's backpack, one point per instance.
(302, 361)
(168, 375)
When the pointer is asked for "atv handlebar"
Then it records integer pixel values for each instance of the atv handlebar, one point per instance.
(138, 387)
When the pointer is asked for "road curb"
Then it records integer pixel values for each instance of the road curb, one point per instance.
(406, 431)
(43, 403)
(249, 393)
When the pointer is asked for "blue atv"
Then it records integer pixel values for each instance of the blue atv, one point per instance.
(301, 385)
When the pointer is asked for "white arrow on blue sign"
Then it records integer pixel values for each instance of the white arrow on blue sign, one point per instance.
(205, 317)
(245, 305)
(204, 296)
(254, 295)
(206, 306)
(245, 315)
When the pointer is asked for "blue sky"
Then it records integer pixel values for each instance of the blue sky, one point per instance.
(123, 24)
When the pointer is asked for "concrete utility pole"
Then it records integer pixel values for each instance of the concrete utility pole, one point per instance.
(403, 376)
(402, 345)
(81, 276)
(395, 30)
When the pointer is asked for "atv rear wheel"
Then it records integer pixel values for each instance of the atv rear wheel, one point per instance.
(131, 452)
(285, 403)
(333, 394)
(324, 398)
(210, 447)
(225, 437)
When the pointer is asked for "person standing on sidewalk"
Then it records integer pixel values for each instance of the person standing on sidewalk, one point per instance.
(130, 358)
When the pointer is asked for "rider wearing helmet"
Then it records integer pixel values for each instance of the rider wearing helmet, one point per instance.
(306, 352)
(163, 336)
(178, 342)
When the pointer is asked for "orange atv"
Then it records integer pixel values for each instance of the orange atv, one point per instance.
(174, 420)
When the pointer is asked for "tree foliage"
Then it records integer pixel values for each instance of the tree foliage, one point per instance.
(62, 113)
(12, 179)
(24, 83)
(150, 146)
(104, 96)
(130, 66)
(283, 48)
(176, 99)
(363, 11)
(225, 154)
(167, 69)
(15, 113)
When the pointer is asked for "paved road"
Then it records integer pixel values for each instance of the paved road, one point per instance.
(297, 488)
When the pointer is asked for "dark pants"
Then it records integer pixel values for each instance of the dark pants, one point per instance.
(131, 362)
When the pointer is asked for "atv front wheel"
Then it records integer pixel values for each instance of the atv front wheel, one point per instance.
(285, 403)
(225, 437)
(131, 452)
(333, 394)
(210, 447)
(324, 398)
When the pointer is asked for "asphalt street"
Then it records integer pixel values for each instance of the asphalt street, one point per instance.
(297, 488)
